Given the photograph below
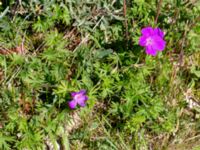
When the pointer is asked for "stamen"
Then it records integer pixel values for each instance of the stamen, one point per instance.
(149, 41)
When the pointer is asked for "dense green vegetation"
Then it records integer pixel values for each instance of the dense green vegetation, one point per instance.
(50, 48)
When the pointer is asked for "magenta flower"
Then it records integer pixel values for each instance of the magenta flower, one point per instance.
(79, 98)
(152, 40)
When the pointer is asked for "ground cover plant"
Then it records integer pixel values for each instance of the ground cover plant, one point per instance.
(100, 74)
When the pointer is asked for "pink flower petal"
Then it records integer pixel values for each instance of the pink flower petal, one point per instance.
(73, 94)
(142, 40)
(148, 31)
(151, 51)
(81, 101)
(159, 32)
(158, 43)
(82, 91)
(72, 104)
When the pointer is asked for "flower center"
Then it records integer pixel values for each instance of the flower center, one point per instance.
(78, 96)
(149, 41)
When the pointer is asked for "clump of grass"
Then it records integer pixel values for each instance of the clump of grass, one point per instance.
(136, 101)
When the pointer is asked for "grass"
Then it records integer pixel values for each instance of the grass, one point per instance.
(52, 48)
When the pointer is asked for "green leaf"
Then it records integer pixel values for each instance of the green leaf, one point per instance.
(102, 53)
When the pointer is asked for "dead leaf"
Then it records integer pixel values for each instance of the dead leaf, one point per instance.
(18, 50)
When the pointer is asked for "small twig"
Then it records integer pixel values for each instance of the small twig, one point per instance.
(125, 21)
(5, 51)
(14, 9)
(39, 47)
(181, 51)
(86, 37)
(22, 45)
(192, 138)
(68, 35)
(158, 11)
(196, 20)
